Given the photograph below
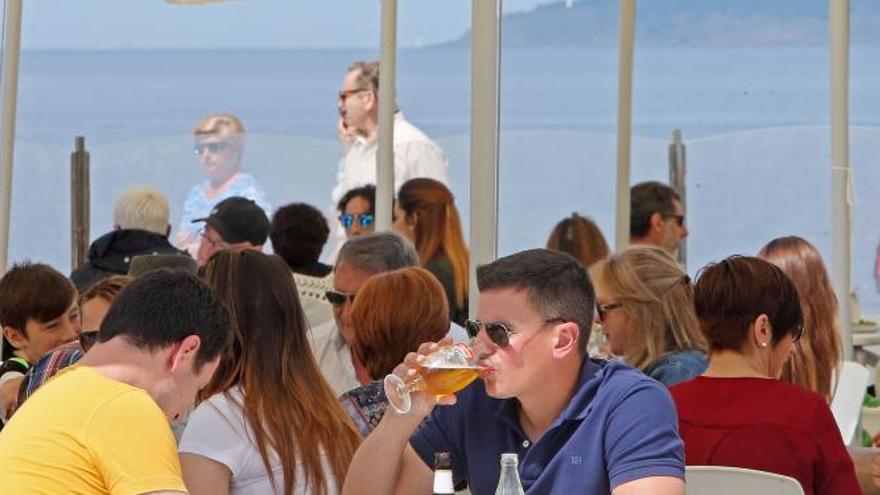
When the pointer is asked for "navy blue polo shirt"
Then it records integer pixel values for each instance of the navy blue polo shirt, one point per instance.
(618, 427)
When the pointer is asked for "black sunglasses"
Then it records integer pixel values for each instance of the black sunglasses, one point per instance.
(498, 333)
(87, 339)
(338, 298)
(679, 219)
(347, 220)
(603, 309)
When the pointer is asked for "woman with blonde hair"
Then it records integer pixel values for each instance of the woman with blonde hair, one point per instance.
(819, 353)
(580, 237)
(644, 302)
(393, 313)
(268, 421)
(425, 213)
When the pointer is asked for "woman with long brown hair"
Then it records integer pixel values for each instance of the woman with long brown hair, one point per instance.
(819, 354)
(268, 421)
(425, 213)
(580, 237)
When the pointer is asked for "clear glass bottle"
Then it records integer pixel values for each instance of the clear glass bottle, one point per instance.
(443, 484)
(508, 482)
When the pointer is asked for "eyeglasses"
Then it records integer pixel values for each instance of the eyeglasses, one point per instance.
(213, 147)
(338, 298)
(679, 219)
(603, 309)
(87, 339)
(497, 332)
(345, 93)
(365, 220)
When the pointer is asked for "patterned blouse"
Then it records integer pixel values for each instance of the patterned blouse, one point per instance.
(366, 405)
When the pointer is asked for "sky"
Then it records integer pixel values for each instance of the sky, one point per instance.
(153, 24)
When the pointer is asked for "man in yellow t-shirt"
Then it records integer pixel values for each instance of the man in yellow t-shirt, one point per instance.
(102, 425)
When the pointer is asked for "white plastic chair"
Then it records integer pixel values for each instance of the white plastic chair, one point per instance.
(849, 393)
(723, 480)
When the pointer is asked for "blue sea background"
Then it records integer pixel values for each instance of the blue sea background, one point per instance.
(754, 120)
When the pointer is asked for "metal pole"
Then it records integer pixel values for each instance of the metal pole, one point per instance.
(624, 119)
(79, 203)
(385, 152)
(485, 83)
(841, 183)
(11, 55)
(677, 172)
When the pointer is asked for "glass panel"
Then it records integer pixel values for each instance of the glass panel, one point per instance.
(137, 107)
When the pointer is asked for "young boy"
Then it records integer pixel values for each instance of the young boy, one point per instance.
(38, 312)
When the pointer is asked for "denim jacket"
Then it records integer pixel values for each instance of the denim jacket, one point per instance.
(677, 367)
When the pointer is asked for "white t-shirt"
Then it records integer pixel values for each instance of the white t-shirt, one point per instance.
(218, 431)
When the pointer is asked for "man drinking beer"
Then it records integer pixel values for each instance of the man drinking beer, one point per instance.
(578, 425)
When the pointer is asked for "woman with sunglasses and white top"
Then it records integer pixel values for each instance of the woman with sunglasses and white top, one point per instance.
(644, 304)
(739, 413)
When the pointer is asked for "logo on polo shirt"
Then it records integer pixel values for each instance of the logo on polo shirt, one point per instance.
(576, 460)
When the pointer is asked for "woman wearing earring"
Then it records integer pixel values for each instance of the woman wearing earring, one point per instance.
(425, 213)
(738, 413)
(645, 306)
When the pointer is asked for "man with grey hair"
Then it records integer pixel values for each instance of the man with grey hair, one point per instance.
(359, 259)
(140, 226)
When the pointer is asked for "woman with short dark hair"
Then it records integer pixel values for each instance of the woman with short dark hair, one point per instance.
(738, 413)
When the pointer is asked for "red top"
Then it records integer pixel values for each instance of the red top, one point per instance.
(764, 424)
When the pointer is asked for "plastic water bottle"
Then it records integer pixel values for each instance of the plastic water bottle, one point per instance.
(508, 482)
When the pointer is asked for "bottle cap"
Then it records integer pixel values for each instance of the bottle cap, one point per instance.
(442, 460)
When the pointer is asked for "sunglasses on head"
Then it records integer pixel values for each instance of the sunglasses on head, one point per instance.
(338, 298)
(498, 333)
(347, 220)
(603, 309)
(87, 339)
(215, 147)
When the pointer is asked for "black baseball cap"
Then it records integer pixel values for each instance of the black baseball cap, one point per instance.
(239, 219)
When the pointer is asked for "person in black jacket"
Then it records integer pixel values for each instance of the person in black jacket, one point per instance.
(140, 226)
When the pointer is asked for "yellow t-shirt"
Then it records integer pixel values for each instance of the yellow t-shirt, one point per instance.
(84, 433)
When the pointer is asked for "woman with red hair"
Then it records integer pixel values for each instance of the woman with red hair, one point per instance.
(425, 213)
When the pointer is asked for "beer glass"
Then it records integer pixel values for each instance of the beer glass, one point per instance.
(444, 372)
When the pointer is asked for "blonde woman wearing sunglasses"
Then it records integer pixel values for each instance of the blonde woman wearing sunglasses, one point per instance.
(645, 306)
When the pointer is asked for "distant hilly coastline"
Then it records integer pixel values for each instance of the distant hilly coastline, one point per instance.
(686, 22)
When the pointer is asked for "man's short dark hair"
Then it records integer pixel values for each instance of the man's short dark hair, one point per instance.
(557, 285)
(367, 192)
(164, 307)
(645, 199)
(299, 232)
(730, 295)
(32, 291)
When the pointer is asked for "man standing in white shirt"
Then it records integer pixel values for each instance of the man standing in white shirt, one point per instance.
(415, 154)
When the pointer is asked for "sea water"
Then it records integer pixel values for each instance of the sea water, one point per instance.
(754, 121)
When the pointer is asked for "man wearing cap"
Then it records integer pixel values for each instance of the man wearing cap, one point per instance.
(235, 223)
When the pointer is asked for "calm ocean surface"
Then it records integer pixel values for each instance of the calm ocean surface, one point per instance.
(754, 121)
